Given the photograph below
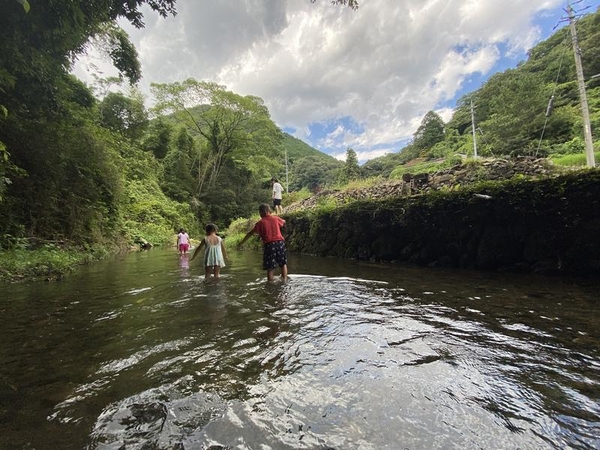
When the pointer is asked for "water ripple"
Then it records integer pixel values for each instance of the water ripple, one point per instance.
(341, 362)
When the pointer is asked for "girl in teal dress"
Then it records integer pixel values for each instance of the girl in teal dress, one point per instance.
(215, 253)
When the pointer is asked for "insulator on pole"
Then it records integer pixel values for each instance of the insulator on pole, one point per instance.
(550, 106)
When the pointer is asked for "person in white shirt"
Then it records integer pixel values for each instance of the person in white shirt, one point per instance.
(277, 196)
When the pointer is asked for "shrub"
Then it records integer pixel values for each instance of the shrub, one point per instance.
(238, 229)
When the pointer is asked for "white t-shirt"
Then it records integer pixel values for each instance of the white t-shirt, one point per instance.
(277, 191)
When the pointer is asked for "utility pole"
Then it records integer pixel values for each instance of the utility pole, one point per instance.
(287, 184)
(587, 128)
(474, 134)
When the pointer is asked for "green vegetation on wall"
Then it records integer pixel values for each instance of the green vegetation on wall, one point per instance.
(548, 226)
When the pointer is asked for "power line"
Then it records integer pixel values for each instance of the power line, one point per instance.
(551, 100)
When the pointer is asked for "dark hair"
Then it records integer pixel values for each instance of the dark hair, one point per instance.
(264, 209)
(181, 230)
(211, 227)
(274, 179)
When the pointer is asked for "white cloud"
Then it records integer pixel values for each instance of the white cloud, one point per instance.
(384, 65)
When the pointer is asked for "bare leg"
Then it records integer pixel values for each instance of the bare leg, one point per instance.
(270, 274)
(284, 272)
(217, 271)
(207, 271)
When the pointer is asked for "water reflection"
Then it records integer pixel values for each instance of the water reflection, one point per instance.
(142, 353)
(184, 264)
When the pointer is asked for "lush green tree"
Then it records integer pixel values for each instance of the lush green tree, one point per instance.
(158, 138)
(39, 47)
(237, 194)
(381, 166)
(178, 182)
(313, 172)
(430, 132)
(233, 127)
(68, 182)
(453, 144)
(146, 213)
(351, 169)
(521, 94)
(353, 4)
(64, 173)
(115, 43)
(125, 115)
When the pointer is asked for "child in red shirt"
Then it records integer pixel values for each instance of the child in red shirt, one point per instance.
(269, 230)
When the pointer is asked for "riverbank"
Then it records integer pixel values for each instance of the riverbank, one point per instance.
(45, 263)
(35, 260)
(523, 217)
(547, 225)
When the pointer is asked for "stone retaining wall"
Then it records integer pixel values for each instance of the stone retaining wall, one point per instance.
(413, 184)
(549, 225)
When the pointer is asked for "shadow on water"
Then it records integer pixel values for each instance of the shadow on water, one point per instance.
(141, 352)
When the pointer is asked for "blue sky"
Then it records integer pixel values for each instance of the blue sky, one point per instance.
(338, 78)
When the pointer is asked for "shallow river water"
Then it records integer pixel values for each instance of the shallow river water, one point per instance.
(140, 352)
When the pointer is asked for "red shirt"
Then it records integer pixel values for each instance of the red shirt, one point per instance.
(268, 228)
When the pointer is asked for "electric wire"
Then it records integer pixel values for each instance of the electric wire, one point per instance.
(549, 108)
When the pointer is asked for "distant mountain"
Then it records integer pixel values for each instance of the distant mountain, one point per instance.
(309, 168)
(297, 149)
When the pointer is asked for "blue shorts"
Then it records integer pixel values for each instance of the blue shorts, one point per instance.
(274, 255)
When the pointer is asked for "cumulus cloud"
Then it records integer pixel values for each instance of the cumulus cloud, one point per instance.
(371, 74)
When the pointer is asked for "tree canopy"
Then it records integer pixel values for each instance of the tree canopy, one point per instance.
(231, 126)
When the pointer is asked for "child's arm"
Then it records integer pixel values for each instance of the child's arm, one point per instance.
(250, 233)
(223, 249)
(197, 250)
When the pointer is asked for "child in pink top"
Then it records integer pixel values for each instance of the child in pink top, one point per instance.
(183, 242)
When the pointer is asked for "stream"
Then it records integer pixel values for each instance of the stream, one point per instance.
(140, 352)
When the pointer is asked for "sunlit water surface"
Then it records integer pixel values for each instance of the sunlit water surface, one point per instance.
(141, 353)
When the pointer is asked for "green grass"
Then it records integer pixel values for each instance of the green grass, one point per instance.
(424, 167)
(296, 196)
(577, 160)
(361, 183)
(48, 262)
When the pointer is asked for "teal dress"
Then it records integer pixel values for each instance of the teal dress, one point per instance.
(213, 256)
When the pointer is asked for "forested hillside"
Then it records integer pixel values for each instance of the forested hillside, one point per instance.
(83, 165)
(308, 167)
(513, 111)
